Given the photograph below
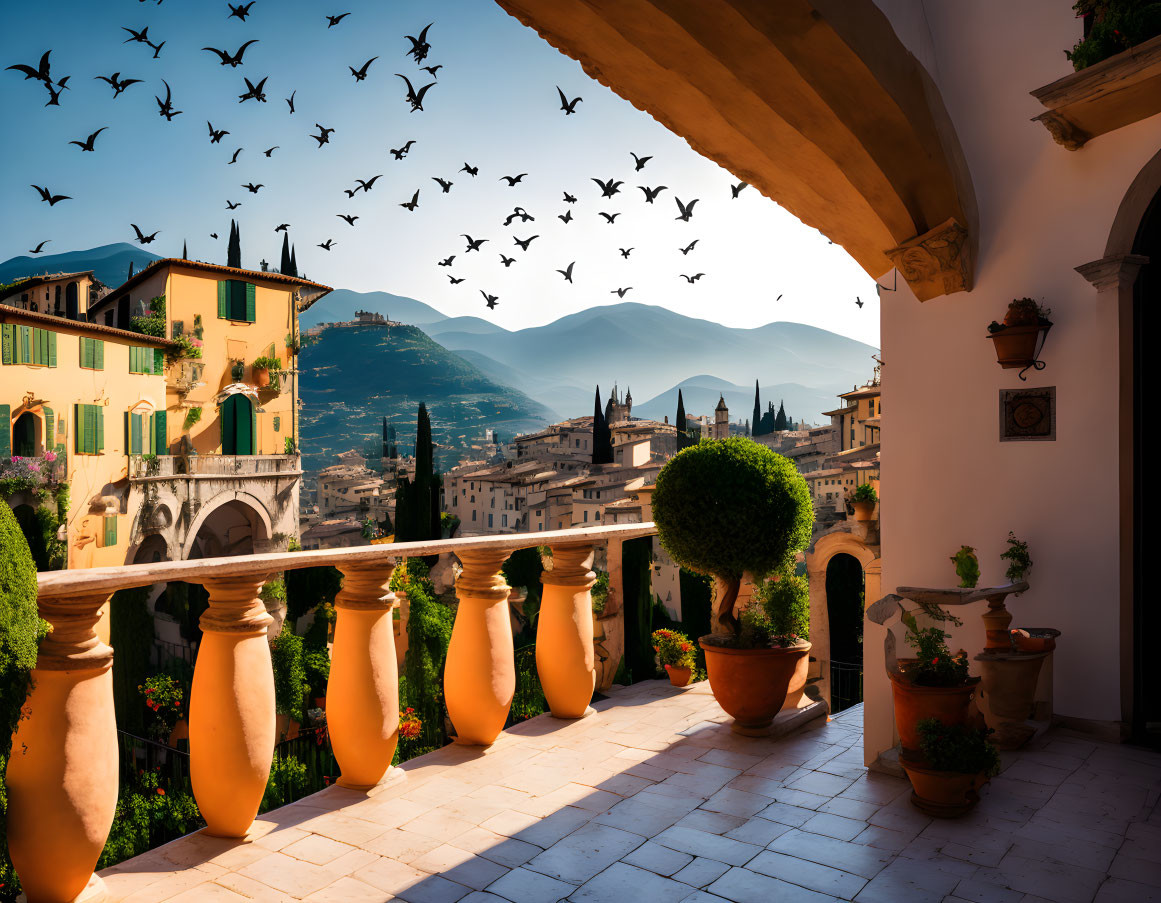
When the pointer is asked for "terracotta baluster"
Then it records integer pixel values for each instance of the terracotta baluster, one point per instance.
(363, 691)
(62, 773)
(480, 676)
(231, 712)
(564, 632)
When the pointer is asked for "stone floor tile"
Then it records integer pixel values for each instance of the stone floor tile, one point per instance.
(743, 886)
(976, 891)
(349, 890)
(1133, 868)
(699, 843)
(908, 881)
(624, 882)
(736, 802)
(585, 852)
(859, 859)
(742, 761)
(524, 886)
(877, 788)
(504, 850)
(544, 832)
(704, 783)
(624, 785)
(249, 888)
(1054, 880)
(701, 872)
(758, 831)
(210, 893)
(801, 798)
(834, 826)
(765, 774)
(884, 838)
(904, 818)
(317, 849)
(1120, 890)
(289, 875)
(711, 822)
(438, 825)
(401, 845)
(410, 884)
(701, 896)
(787, 814)
(481, 896)
(656, 858)
(460, 866)
(646, 814)
(812, 875)
(849, 808)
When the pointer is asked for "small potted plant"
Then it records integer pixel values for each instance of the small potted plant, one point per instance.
(1019, 561)
(1016, 339)
(676, 655)
(958, 760)
(318, 671)
(732, 507)
(967, 567)
(164, 699)
(863, 500)
(265, 370)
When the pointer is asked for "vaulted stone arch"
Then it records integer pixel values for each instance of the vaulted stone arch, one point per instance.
(816, 103)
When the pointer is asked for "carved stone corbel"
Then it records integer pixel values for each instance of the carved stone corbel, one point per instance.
(938, 262)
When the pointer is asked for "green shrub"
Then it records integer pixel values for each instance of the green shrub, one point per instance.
(1018, 558)
(290, 686)
(935, 665)
(958, 748)
(732, 506)
(967, 567)
(318, 671)
(1117, 25)
(600, 592)
(864, 492)
(307, 588)
(148, 812)
(429, 629)
(287, 782)
(786, 604)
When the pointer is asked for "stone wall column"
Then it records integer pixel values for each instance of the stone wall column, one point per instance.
(231, 712)
(62, 773)
(363, 691)
(480, 675)
(564, 632)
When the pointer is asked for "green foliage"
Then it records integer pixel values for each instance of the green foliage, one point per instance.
(273, 366)
(21, 631)
(864, 492)
(730, 506)
(1018, 558)
(153, 323)
(448, 524)
(148, 809)
(674, 649)
(287, 782)
(290, 686)
(274, 591)
(188, 348)
(600, 592)
(936, 666)
(307, 588)
(131, 636)
(318, 671)
(164, 698)
(958, 748)
(318, 634)
(288, 445)
(1117, 25)
(785, 602)
(429, 629)
(967, 567)
(192, 416)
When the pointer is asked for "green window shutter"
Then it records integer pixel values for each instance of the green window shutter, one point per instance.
(79, 429)
(223, 298)
(49, 424)
(134, 434)
(277, 422)
(253, 450)
(86, 348)
(52, 349)
(110, 531)
(5, 430)
(160, 437)
(132, 358)
(250, 292)
(226, 424)
(24, 351)
(100, 431)
(6, 341)
(98, 354)
(158, 361)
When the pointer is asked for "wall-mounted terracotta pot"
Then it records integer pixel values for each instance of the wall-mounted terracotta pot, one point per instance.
(261, 377)
(1016, 345)
(679, 677)
(751, 684)
(913, 703)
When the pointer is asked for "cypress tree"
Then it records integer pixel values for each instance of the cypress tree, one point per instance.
(757, 411)
(424, 477)
(680, 422)
(184, 250)
(602, 438)
(386, 444)
(130, 276)
(234, 249)
(293, 262)
(780, 418)
(284, 264)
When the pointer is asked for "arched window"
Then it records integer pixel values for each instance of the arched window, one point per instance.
(71, 310)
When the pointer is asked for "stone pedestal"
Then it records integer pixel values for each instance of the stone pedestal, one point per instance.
(1007, 694)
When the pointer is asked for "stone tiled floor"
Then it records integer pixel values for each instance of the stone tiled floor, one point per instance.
(654, 799)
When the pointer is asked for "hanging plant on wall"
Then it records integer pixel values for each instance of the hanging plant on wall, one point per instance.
(1112, 26)
(192, 416)
(1020, 338)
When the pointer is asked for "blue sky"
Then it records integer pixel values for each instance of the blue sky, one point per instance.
(494, 106)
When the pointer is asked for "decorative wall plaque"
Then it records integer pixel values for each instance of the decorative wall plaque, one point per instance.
(1028, 415)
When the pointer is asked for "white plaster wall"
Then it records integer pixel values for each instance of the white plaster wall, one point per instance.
(946, 478)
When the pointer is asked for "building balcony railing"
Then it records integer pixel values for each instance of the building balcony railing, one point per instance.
(63, 774)
(142, 467)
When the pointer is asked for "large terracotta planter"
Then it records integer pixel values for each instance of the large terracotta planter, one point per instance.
(1008, 694)
(751, 684)
(797, 688)
(180, 732)
(943, 794)
(951, 705)
(679, 677)
(864, 511)
(261, 377)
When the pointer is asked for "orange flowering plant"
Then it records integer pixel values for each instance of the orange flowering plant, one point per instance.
(164, 698)
(673, 648)
(409, 724)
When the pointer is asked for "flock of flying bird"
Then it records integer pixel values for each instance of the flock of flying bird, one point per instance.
(419, 50)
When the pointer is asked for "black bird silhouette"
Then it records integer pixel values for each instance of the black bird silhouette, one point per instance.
(141, 238)
(447, 261)
(117, 86)
(453, 279)
(419, 46)
(213, 235)
(609, 188)
(565, 217)
(507, 261)
(270, 150)
(567, 272)
(686, 209)
(525, 243)
(332, 21)
(692, 279)
(141, 37)
(471, 170)
(234, 159)
(413, 203)
(253, 92)
(54, 96)
(40, 247)
(473, 243)
(639, 161)
(252, 188)
(735, 190)
(651, 193)
(361, 74)
(282, 227)
(290, 100)
(230, 205)
(858, 301)
(569, 106)
(235, 60)
(432, 70)
(625, 252)
(324, 135)
(610, 216)
(400, 152)
(328, 244)
(519, 213)
(166, 109)
(779, 298)
(41, 72)
(443, 183)
(346, 216)
(368, 184)
(512, 180)
(241, 11)
(689, 247)
(415, 98)
(620, 292)
(351, 192)
(87, 144)
(569, 199)
(216, 135)
(156, 48)
(491, 300)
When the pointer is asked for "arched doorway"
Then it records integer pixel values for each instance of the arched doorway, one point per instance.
(237, 419)
(24, 431)
(844, 607)
(33, 531)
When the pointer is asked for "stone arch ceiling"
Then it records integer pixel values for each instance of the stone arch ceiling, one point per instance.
(816, 103)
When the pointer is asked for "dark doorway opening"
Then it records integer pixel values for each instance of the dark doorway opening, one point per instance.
(844, 609)
(24, 435)
(237, 420)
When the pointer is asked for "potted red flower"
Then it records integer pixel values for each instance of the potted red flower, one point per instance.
(676, 654)
(164, 700)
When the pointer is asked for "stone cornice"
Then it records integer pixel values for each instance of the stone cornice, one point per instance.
(1113, 272)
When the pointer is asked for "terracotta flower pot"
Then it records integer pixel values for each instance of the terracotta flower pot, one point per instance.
(261, 377)
(1016, 345)
(943, 794)
(864, 511)
(180, 732)
(320, 702)
(1035, 639)
(751, 684)
(679, 677)
(914, 703)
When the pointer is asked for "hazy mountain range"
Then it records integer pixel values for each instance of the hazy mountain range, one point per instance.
(109, 263)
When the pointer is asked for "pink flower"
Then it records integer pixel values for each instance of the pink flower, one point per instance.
(34, 467)
(50, 456)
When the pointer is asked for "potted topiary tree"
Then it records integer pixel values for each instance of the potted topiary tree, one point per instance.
(730, 507)
(863, 500)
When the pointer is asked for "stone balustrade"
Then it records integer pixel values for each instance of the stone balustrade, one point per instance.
(62, 775)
